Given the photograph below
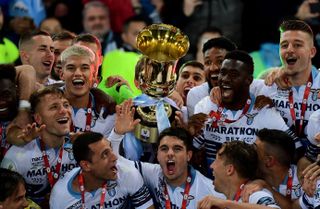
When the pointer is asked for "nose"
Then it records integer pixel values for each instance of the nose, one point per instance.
(114, 156)
(214, 67)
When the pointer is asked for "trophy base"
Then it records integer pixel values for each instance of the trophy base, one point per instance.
(147, 130)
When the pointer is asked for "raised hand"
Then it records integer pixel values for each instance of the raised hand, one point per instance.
(31, 132)
(125, 117)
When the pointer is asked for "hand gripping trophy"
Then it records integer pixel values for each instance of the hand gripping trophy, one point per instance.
(162, 45)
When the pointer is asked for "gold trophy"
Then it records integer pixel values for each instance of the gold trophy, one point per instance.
(162, 46)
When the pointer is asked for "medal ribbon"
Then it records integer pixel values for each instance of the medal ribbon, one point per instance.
(217, 116)
(51, 177)
(289, 183)
(88, 117)
(303, 105)
(185, 194)
(82, 190)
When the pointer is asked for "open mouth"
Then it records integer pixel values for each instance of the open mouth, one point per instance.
(63, 120)
(171, 166)
(186, 91)
(226, 90)
(291, 60)
(47, 63)
(114, 169)
(78, 82)
(214, 76)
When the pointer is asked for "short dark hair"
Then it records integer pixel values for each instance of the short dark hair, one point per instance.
(279, 144)
(192, 63)
(36, 96)
(88, 38)
(242, 156)
(179, 133)
(221, 43)
(9, 182)
(8, 71)
(243, 57)
(136, 18)
(81, 149)
(27, 37)
(295, 25)
(63, 36)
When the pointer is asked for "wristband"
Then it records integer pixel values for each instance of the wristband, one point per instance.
(24, 105)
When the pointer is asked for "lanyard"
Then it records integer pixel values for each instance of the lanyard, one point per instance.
(218, 118)
(185, 194)
(4, 144)
(303, 105)
(289, 183)
(52, 178)
(82, 190)
(88, 117)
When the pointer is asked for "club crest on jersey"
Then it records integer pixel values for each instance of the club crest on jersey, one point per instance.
(111, 188)
(315, 94)
(250, 118)
(68, 148)
(189, 198)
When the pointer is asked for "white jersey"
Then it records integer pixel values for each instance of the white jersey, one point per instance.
(313, 127)
(307, 202)
(154, 179)
(98, 123)
(243, 129)
(296, 190)
(28, 161)
(263, 197)
(281, 101)
(199, 92)
(129, 188)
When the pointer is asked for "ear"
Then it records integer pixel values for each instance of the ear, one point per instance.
(123, 37)
(24, 57)
(249, 79)
(37, 118)
(230, 169)
(85, 165)
(189, 155)
(100, 60)
(269, 161)
(313, 52)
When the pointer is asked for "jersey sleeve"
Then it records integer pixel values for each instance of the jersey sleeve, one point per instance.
(138, 191)
(263, 198)
(256, 86)
(306, 202)
(9, 161)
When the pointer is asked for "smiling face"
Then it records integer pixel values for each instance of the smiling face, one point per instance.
(40, 55)
(54, 111)
(189, 77)
(78, 74)
(213, 59)
(173, 158)
(234, 80)
(296, 51)
(8, 100)
(103, 161)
